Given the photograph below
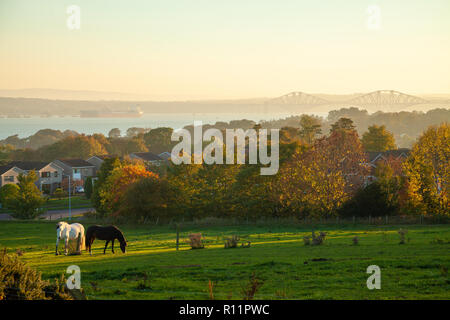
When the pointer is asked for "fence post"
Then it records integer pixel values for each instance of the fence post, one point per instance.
(370, 219)
(353, 219)
(178, 235)
(387, 219)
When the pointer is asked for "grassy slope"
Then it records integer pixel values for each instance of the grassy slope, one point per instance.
(277, 256)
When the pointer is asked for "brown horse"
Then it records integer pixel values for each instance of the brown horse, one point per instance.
(109, 233)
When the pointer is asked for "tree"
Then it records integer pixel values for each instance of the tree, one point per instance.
(105, 170)
(88, 187)
(7, 193)
(135, 131)
(310, 128)
(148, 198)
(125, 146)
(380, 198)
(28, 202)
(116, 184)
(159, 140)
(81, 146)
(114, 133)
(428, 171)
(378, 139)
(343, 124)
(317, 180)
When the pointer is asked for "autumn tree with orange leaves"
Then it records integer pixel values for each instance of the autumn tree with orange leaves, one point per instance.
(318, 180)
(116, 184)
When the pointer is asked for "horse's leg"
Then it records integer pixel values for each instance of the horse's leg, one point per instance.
(66, 245)
(112, 245)
(106, 245)
(57, 242)
(89, 245)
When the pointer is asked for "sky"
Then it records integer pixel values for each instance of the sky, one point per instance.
(215, 49)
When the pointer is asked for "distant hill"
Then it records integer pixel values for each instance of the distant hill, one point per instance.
(33, 102)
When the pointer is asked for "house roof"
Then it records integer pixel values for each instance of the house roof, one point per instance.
(373, 156)
(4, 169)
(76, 163)
(147, 156)
(103, 157)
(29, 165)
(165, 155)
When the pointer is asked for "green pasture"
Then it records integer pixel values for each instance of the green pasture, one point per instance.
(278, 258)
(77, 202)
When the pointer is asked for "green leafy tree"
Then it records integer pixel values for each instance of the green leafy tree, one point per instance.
(149, 199)
(428, 171)
(378, 139)
(159, 140)
(114, 133)
(343, 124)
(310, 128)
(99, 186)
(135, 131)
(7, 193)
(72, 147)
(380, 198)
(28, 202)
(88, 188)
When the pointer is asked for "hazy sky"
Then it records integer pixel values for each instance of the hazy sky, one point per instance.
(226, 48)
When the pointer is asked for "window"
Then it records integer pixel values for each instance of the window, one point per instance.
(45, 174)
(76, 170)
(9, 179)
(55, 174)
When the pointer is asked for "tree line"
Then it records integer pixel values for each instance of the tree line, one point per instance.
(326, 177)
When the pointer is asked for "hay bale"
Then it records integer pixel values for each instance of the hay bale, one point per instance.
(195, 241)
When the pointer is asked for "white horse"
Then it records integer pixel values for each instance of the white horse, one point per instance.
(68, 232)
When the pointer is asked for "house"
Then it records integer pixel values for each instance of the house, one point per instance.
(394, 157)
(77, 169)
(398, 154)
(9, 174)
(97, 161)
(49, 174)
(147, 157)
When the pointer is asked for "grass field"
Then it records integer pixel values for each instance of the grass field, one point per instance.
(77, 202)
(153, 269)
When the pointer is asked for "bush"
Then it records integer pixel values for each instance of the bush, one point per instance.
(7, 193)
(252, 287)
(59, 193)
(20, 282)
(318, 240)
(370, 201)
